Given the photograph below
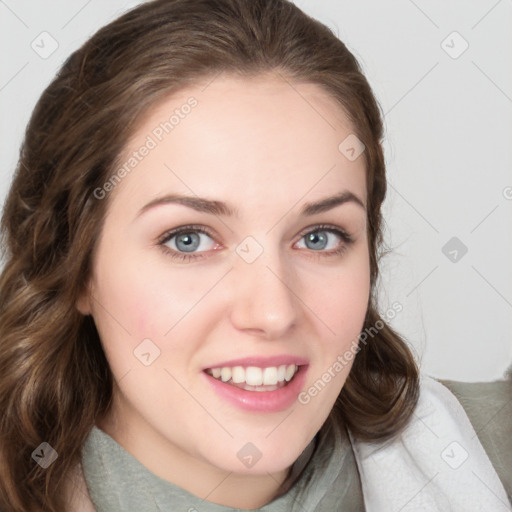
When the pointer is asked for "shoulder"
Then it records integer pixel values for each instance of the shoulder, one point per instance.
(488, 406)
(438, 441)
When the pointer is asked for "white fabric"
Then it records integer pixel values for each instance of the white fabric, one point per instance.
(437, 464)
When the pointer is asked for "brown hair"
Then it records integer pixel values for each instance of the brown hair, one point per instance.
(55, 381)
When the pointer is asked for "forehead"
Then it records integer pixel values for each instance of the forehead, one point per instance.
(261, 140)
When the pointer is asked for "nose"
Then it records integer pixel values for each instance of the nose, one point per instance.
(264, 302)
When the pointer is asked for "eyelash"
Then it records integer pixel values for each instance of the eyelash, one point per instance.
(345, 237)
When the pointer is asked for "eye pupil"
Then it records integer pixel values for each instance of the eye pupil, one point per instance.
(189, 242)
(314, 238)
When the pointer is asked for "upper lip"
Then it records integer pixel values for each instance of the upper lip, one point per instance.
(261, 362)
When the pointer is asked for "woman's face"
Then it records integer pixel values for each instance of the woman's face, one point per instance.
(234, 244)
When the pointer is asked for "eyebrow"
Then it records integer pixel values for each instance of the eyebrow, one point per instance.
(329, 203)
(220, 208)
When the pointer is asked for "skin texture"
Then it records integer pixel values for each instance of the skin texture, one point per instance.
(265, 148)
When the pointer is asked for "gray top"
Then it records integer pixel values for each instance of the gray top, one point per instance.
(117, 481)
(489, 408)
(326, 473)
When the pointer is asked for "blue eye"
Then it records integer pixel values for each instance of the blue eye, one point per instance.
(325, 238)
(190, 242)
(186, 240)
(318, 240)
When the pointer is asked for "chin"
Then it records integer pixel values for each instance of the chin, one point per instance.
(260, 457)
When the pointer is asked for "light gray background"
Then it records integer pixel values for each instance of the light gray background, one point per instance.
(448, 148)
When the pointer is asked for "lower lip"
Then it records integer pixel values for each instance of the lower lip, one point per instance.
(261, 401)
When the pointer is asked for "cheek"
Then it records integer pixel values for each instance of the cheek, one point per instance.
(341, 308)
(342, 304)
(126, 306)
(134, 294)
(135, 302)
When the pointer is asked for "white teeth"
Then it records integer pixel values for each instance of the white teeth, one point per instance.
(225, 374)
(238, 374)
(290, 372)
(270, 376)
(254, 376)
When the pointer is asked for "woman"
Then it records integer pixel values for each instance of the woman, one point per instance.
(188, 310)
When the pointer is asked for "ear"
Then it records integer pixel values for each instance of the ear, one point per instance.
(84, 301)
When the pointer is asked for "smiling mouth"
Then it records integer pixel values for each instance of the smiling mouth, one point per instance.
(253, 378)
